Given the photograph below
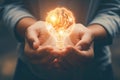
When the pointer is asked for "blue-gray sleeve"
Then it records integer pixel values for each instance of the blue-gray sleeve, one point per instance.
(1, 9)
(108, 16)
(12, 13)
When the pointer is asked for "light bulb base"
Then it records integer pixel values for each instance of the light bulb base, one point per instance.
(60, 44)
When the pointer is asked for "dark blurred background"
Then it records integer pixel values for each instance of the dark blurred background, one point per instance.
(8, 54)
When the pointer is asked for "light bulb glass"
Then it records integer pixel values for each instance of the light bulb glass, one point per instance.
(59, 23)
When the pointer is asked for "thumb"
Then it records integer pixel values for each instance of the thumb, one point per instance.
(85, 42)
(33, 40)
(82, 45)
(36, 43)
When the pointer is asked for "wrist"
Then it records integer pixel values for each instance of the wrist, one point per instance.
(92, 34)
(97, 31)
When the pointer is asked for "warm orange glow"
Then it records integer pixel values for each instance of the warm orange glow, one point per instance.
(60, 18)
(59, 22)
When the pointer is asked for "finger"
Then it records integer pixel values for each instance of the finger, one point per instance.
(42, 52)
(76, 57)
(79, 54)
(86, 54)
(36, 44)
(45, 48)
(72, 57)
(50, 57)
(32, 38)
(47, 60)
(28, 51)
(42, 55)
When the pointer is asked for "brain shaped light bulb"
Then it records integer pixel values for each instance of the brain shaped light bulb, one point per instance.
(59, 22)
(60, 18)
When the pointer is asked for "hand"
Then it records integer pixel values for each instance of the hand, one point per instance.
(81, 36)
(36, 37)
(37, 34)
(37, 40)
(76, 57)
(40, 56)
(82, 52)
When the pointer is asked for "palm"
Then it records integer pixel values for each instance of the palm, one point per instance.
(39, 50)
(38, 42)
(82, 50)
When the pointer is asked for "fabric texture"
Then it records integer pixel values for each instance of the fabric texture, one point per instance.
(12, 15)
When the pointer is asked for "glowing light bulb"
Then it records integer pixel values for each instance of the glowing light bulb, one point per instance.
(59, 23)
(53, 18)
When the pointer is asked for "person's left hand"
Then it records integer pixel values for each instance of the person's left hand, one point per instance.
(83, 51)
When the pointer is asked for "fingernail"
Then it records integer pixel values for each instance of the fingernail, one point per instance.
(35, 45)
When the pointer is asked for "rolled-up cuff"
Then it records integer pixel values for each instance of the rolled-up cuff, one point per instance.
(110, 23)
(12, 14)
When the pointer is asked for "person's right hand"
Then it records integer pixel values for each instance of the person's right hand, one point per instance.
(36, 36)
(40, 52)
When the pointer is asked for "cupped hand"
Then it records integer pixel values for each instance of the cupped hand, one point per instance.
(43, 55)
(37, 34)
(76, 57)
(37, 44)
(82, 52)
(81, 36)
